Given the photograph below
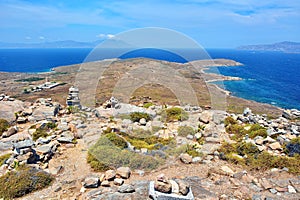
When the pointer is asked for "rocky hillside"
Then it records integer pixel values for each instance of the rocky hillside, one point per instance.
(124, 151)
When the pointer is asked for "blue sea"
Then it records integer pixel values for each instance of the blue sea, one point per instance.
(268, 77)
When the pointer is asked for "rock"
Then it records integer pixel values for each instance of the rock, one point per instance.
(10, 132)
(5, 146)
(66, 138)
(123, 172)
(205, 117)
(227, 170)
(291, 189)
(198, 135)
(212, 140)
(126, 188)
(275, 146)
(209, 149)
(175, 187)
(186, 158)
(273, 191)
(91, 182)
(110, 175)
(118, 181)
(196, 159)
(164, 187)
(43, 112)
(293, 148)
(247, 111)
(21, 120)
(44, 149)
(184, 187)
(143, 122)
(105, 183)
(23, 144)
(265, 183)
(9, 108)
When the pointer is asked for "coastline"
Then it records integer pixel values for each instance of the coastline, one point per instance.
(209, 78)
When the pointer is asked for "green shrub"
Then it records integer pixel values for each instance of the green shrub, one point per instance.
(39, 133)
(229, 121)
(246, 148)
(174, 114)
(257, 130)
(23, 181)
(3, 125)
(254, 159)
(237, 130)
(147, 105)
(3, 158)
(104, 155)
(43, 130)
(117, 140)
(185, 131)
(31, 79)
(148, 142)
(136, 116)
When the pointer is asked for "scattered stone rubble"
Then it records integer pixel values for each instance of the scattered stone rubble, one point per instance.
(113, 184)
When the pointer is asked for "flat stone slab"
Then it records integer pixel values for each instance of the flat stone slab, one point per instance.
(155, 195)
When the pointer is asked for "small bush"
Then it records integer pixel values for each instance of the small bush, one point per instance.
(229, 121)
(147, 105)
(23, 181)
(117, 140)
(248, 148)
(104, 155)
(254, 159)
(148, 142)
(237, 130)
(257, 130)
(185, 131)
(136, 116)
(3, 158)
(3, 125)
(174, 114)
(39, 133)
(43, 131)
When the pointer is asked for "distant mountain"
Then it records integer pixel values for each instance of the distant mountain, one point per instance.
(290, 47)
(57, 44)
(105, 43)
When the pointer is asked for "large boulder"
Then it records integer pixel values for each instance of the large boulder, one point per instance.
(123, 172)
(43, 112)
(9, 108)
(91, 182)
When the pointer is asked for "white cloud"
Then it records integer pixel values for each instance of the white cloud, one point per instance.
(41, 37)
(105, 36)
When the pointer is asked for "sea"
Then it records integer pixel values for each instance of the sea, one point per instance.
(267, 77)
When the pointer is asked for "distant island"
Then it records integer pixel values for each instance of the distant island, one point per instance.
(56, 44)
(289, 47)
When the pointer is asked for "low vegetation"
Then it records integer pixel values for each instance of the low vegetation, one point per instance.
(136, 116)
(185, 131)
(3, 126)
(147, 105)
(31, 79)
(174, 114)
(117, 140)
(43, 131)
(105, 155)
(3, 158)
(23, 181)
(239, 130)
(185, 148)
(248, 155)
(149, 142)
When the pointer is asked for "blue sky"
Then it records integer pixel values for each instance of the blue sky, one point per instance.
(212, 23)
